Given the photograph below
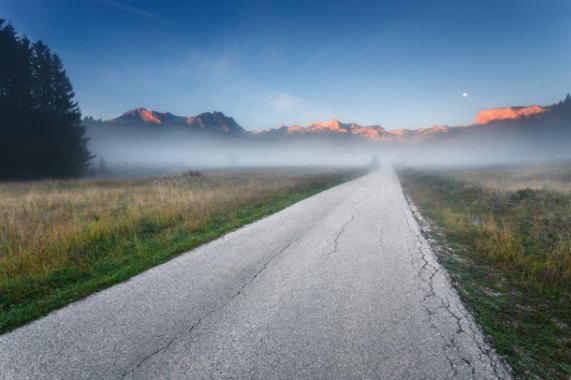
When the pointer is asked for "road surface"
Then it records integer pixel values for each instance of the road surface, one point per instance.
(340, 285)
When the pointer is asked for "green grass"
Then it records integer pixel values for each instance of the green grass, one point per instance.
(509, 254)
(96, 257)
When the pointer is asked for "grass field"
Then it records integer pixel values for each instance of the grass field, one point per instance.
(554, 177)
(504, 235)
(62, 240)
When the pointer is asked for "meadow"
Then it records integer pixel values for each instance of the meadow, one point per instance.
(553, 176)
(63, 240)
(504, 235)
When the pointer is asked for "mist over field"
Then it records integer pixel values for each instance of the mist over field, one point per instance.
(134, 144)
(173, 150)
(179, 149)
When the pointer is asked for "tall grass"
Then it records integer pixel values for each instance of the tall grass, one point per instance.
(539, 176)
(510, 254)
(528, 232)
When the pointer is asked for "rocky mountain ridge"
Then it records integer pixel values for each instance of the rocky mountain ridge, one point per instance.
(218, 123)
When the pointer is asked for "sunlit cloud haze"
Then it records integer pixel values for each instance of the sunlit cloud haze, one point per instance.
(401, 64)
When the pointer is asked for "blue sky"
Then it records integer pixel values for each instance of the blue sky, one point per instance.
(401, 64)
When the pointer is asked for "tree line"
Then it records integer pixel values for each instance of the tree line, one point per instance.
(41, 135)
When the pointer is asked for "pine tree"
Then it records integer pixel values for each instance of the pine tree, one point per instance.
(15, 100)
(40, 132)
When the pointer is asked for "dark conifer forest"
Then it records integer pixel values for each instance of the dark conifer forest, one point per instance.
(41, 135)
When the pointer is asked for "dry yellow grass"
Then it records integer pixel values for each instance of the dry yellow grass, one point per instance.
(42, 220)
(545, 176)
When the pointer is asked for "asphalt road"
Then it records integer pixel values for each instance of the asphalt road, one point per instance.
(340, 285)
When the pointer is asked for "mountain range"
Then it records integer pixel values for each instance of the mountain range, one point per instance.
(371, 132)
(210, 122)
(216, 123)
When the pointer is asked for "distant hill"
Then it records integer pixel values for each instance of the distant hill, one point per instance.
(209, 122)
(497, 118)
(353, 130)
(508, 113)
(530, 120)
(145, 138)
(491, 125)
(522, 133)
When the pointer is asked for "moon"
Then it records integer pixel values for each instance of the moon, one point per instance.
(465, 94)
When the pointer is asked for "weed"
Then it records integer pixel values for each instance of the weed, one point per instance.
(511, 259)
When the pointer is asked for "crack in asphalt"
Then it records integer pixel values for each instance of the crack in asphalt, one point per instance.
(207, 315)
(426, 273)
(342, 231)
(240, 291)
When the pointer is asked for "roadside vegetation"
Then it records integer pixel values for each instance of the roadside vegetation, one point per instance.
(504, 235)
(62, 240)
